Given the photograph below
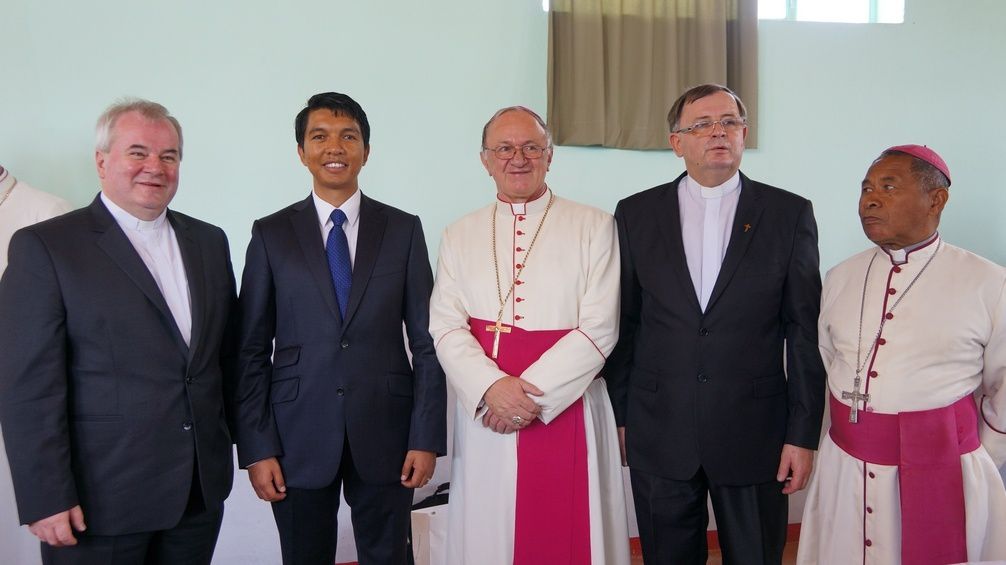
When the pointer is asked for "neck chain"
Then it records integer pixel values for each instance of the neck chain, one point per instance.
(499, 291)
(861, 363)
(6, 195)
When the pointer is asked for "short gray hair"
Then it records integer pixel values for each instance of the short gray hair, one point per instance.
(528, 111)
(146, 108)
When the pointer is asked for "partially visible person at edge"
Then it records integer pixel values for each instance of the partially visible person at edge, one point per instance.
(21, 205)
(913, 334)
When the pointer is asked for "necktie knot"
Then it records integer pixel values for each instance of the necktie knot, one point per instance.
(338, 217)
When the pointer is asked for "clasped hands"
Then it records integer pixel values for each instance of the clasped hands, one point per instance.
(510, 405)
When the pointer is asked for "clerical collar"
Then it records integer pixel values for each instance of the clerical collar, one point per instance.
(900, 256)
(696, 190)
(533, 206)
(129, 221)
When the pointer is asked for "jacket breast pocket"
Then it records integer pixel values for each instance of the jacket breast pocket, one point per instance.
(284, 391)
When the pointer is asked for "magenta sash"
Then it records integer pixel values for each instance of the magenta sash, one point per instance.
(552, 524)
(927, 447)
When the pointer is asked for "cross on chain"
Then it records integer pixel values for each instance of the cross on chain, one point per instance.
(498, 329)
(855, 396)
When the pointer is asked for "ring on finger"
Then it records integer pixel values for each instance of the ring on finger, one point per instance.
(517, 421)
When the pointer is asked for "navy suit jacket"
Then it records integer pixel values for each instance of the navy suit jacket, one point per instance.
(309, 379)
(709, 388)
(101, 401)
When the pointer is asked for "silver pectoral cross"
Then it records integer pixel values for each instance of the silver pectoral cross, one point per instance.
(855, 396)
(497, 328)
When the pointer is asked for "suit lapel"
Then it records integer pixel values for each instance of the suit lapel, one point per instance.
(192, 258)
(749, 209)
(669, 221)
(368, 244)
(308, 234)
(118, 247)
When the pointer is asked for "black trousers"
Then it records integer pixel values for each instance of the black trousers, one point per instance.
(308, 525)
(190, 542)
(673, 517)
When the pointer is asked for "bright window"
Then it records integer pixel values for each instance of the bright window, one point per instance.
(849, 11)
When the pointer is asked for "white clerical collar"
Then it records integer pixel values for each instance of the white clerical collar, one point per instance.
(921, 249)
(131, 222)
(533, 206)
(351, 208)
(696, 190)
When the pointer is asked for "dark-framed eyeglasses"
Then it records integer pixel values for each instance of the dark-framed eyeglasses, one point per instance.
(507, 152)
(706, 127)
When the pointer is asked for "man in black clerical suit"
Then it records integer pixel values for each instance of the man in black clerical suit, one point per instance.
(327, 396)
(719, 273)
(112, 376)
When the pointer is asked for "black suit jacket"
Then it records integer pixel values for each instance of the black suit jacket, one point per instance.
(709, 389)
(101, 401)
(327, 379)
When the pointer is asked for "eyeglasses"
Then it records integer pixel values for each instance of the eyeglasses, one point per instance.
(507, 152)
(706, 127)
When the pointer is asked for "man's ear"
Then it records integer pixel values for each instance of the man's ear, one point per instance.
(937, 200)
(99, 163)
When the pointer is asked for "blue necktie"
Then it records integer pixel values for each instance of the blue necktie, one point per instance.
(337, 250)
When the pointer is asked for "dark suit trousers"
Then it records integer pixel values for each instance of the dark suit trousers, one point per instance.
(308, 525)
(190, 542)
(673, 517)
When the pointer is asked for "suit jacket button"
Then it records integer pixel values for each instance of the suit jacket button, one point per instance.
(340, 391)
(188, 380)
(187, 426)
(344, 344)
(702, 378)
(703, 332)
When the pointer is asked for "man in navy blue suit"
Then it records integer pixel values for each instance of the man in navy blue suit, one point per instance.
(327, 398)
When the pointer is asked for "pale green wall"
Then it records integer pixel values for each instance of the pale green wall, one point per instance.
(430, 73)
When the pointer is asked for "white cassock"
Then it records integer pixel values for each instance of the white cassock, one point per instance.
(571, 281)
(945, 341)
(23, 207)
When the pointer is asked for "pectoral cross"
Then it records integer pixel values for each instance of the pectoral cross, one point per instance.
(855, 396)
(498, 329)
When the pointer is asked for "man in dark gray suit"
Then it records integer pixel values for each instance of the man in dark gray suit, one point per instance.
(719, 272)
(111, 373)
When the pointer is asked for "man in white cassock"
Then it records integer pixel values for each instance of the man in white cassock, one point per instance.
(524, 312)
(913, 335)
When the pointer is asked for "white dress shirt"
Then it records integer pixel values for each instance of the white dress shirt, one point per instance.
(707, 215)
(157, 245)
(351, 208)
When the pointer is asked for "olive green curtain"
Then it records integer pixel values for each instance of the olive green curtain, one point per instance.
(616, 66)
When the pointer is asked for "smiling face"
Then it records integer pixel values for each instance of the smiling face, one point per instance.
(139, 172)
(710, 159)
(518, 179)
(334, 153)
(893, 207)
